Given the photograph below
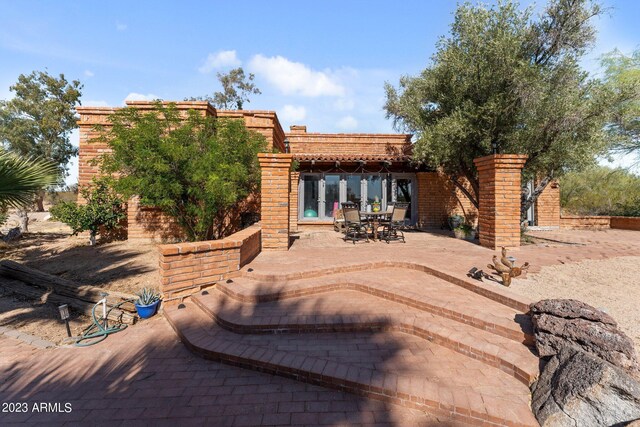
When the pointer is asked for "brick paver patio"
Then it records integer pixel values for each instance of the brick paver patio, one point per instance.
(400, 327)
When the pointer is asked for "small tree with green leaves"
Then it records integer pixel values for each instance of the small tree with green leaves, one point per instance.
(192, 168)
(103, 212)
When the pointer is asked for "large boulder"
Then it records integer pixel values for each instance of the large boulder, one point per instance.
(577, 388)
(558, 323)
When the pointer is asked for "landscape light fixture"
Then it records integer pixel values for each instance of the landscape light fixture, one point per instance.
(64, 314)
(494, 146)
(286, 145)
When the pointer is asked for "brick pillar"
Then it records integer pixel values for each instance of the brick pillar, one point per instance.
(499, 178)
(547, 211)
(293, 201)
(274, 200)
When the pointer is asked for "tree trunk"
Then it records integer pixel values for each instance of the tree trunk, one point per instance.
(529, 199)
(92, 238)
(23, 217)
(39, 199)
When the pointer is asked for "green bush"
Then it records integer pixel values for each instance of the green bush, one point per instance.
(103, 210)
(601, 191)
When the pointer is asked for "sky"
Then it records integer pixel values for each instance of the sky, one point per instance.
(322, 64)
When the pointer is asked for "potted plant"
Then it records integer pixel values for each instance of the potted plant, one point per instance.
(147, 302)
(455, 221)
(375, 206)
(464, 231)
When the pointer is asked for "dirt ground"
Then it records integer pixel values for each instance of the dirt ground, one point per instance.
(117, 266)
(612, 285)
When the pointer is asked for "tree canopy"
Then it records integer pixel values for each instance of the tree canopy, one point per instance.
(37, 122)
(193, 168)
(622, 73)
(236, 89)
(505, 78)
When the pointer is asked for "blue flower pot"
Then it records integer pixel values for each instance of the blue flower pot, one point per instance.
(146, 311)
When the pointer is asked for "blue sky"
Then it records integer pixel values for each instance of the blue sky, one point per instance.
(322, 64)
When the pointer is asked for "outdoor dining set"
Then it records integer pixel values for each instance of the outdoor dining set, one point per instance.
(360, 225)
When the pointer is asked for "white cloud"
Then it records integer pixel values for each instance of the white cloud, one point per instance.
(133, 96)
(295, 78)
(292, 113)
(88, 73)
(224, 58)
(92, 103)
(344, 104)
(120, 26)
(347, 123)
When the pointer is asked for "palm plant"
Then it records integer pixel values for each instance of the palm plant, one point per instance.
(21, 178)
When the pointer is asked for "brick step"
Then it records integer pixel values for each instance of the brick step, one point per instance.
(488, 290)
(388, 366)
(412, 288)
(354, 311)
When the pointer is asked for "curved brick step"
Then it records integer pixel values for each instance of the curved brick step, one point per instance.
(485, 289)
(407, 286)
(405, 372)
(353, 311)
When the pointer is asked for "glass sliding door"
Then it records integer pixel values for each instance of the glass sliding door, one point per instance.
(374, 192)
(331, 195)
(310, 196)
(354, 189)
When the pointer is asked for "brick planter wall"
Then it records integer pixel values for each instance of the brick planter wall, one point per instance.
(274, 200)
(500, 195)
(625, 223)
(186, 268)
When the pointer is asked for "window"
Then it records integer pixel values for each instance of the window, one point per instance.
(374, 191)
(331, 195)
(354, 189)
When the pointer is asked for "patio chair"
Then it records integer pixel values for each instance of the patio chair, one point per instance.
(338, 221)
(354, 228)
(392, 229)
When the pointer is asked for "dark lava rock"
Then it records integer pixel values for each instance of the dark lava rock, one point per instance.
(558, 323)
(579, 389)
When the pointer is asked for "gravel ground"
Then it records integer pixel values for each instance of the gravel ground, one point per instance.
(612, 285)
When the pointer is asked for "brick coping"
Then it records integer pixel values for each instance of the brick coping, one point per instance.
(405, 390)
(502, 296)
(231, 242)
(492, 349)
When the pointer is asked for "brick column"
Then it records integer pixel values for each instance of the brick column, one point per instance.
(548, 206)
(274, 200)
(499, 178)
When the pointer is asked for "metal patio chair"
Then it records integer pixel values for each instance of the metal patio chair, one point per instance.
(354, 228)
(392, 229)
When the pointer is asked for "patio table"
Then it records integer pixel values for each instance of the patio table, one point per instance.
(375, 220)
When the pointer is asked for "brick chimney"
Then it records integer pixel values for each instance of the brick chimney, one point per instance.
(298, 128)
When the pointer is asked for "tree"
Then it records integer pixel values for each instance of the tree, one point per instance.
(20, 179)
(236, 89)
(622, 73)
(38, 120)
(503, 79)
(103, 210)
(601, 191)
(193, 168)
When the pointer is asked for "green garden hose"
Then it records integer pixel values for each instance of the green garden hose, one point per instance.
(98, 332)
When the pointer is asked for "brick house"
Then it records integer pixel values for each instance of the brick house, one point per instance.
(329, 169)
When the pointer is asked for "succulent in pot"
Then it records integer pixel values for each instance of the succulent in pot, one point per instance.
(147, 302)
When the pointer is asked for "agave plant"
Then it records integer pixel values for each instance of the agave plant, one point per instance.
(21, 178)
(147, 296)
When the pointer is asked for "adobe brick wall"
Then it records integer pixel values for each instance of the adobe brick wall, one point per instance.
(186, 268)
(293, 201)
(274, 209)
(499, 177)
(585, 222)
(438, 198)
(264, 122)
(547, 207)
(625, 223)
(150, 223)
(357, 144)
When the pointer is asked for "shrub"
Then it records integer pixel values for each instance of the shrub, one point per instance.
(104, 211)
